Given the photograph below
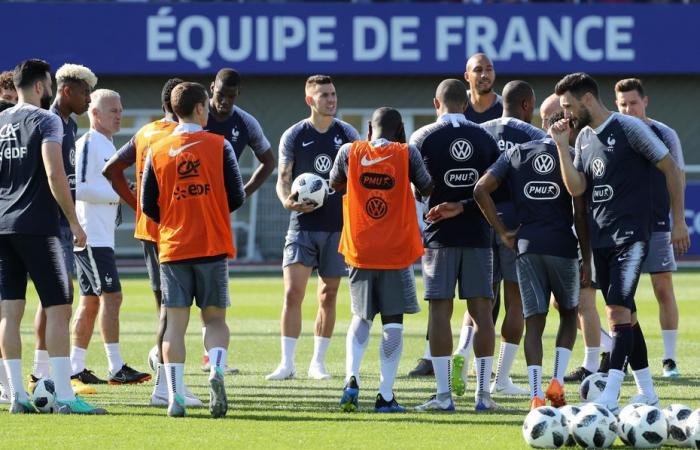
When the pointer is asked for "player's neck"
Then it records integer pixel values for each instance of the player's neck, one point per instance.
(321, 123)
(102, 130)
(512, 115)
(62, 108)
(599, 115)
(481, 102)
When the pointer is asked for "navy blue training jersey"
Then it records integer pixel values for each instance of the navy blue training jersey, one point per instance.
(617, 159)
(26, 203)
(508, 132)
(542, 203)
(493, 112)
(310, 151)
(456, 152)
(241, 129)
(70, 130)
(661, 204)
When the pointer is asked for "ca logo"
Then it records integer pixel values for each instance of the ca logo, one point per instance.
(323, 163)
(376, 208)
(598, 168)
(543, 164)
(461, 149)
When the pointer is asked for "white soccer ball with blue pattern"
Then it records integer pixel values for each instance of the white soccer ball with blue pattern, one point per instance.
(594, 427)
(569, 412)
(44, 395)
(153, 358)
(592, 386)
(676, 416)
(692, 429)
(545, 427)
(623, 422)
(646, 427)
(309, 187)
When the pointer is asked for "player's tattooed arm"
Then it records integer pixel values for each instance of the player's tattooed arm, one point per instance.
(581, 224)
(486, 185)
(574, 180)
(675, 185)
(284, 189)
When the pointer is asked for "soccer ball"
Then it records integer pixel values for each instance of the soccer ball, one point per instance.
(676, 416)
(594, 427)
(569, 412)
(153, 358)
(692, 429)
(44, 395)
(646, 427)
(623, 423)
(311, 188)
(592, 386)
(545, 427)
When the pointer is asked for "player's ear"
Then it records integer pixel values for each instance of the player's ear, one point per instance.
(211, 88)
(436, 103)
(309, 100)
(401, 134)
(645, 100)
(369, 130)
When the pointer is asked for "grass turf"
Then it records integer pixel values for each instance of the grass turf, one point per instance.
(303, 413)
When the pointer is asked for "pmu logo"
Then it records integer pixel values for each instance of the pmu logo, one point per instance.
(323, 163)
(187, 166)
(598, 168)
(543, 164)
(376, 208)
(461, 149)
(602, 193)
(191, 190)
(541, 190)
(461, 177)
(376, 181)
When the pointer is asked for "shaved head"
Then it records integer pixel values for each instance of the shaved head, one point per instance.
(386, 122)
(478, 58)
(451, 92)
(519, 100)
(549, 107)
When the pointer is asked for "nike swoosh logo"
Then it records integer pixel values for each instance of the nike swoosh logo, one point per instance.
(370, 162)
(150, 133)
(666, 263)
(584, 146)
(622, 259)
(306, 144)
(174, 152)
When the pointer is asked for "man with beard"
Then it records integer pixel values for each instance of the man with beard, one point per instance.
(614, 158)
(312, 240)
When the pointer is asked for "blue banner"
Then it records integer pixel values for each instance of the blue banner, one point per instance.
(374, 39)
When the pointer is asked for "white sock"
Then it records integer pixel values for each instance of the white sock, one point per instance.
(204, 349)
(506, 356)
(13, 367)
(612, 387)
(320, 346)
(534, 376)
(41, 364)
(174, 372)
(3, 378)
(61, 369)
(389, 357)
(355, 346)
(161, 386)
(426, 353)
(669, 343)
(77, 359)
(591, 359)
(442, 365)
(642, 379)
(483, 373)
(605, 341)
(217, 358)
(561, 362)
(289, 346)
(114, 357)
(466, 341)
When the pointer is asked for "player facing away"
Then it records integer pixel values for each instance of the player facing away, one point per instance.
(379, 202)
(191, 183)
(615, 155)
(660, 262)
(547, 260)
(510, 129)
(311, 145)
(457, 250)
(33, 186)
(134, 153)
(73, 86)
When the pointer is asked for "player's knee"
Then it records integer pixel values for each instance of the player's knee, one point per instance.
(113, 301)
(294, 295)
(663, 291)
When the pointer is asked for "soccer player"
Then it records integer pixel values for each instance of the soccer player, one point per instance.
(73, 85)
(456, 153)
(134, 152)
(547, 260)
(660, 262)
(7, 87)
(34, 186)
(614, 158)
(379, 202)
(311, 145)
(96, 207)
(510, 129)
(4, 383)
(191, 184)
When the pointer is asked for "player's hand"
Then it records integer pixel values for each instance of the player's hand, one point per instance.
(79, 236)
(293, 205)
(560, 132)
(680, 237)
(509, 238)
(586, 274)
(446, 210)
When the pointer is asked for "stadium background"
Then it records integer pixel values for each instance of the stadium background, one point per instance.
(117, 41)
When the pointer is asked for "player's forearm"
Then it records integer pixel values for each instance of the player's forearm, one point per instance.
(114, 172)
(676, 188)
(58, 183)
(581, 225)
(488, 209)
(574, 180)
(96, 193)
(284, 182)
(262, 172)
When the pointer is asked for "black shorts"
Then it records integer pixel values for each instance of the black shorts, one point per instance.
(617, 271)
(150, 255)
(97, 271)
(42, 258)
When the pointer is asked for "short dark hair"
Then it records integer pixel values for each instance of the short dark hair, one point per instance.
(228, 77)
(516, 92)
(6, 80)
(4, 104)
(554, 118)
(578, 84)
(630, 84)
(185, 97)
(314, 80)
(166, 93)
(29, 72)
(452, 92)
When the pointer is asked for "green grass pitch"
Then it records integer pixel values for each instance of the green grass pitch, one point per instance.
(303, 413)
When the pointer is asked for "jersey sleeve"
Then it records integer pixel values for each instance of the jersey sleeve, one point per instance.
(417, 171)
(286, 148)
(339, 172)
(258, 142)
(670, 138)
(51, 127)
(149, 191)
(643, 140)
(499, 169)
(350, 132)
(578, 159)
(232, 179)
(127, 152)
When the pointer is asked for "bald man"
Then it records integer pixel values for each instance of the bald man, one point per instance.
(482, 102)
(548, 108)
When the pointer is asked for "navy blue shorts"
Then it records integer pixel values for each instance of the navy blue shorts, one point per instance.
(40, 257)
(97, 271)
(618, 270)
